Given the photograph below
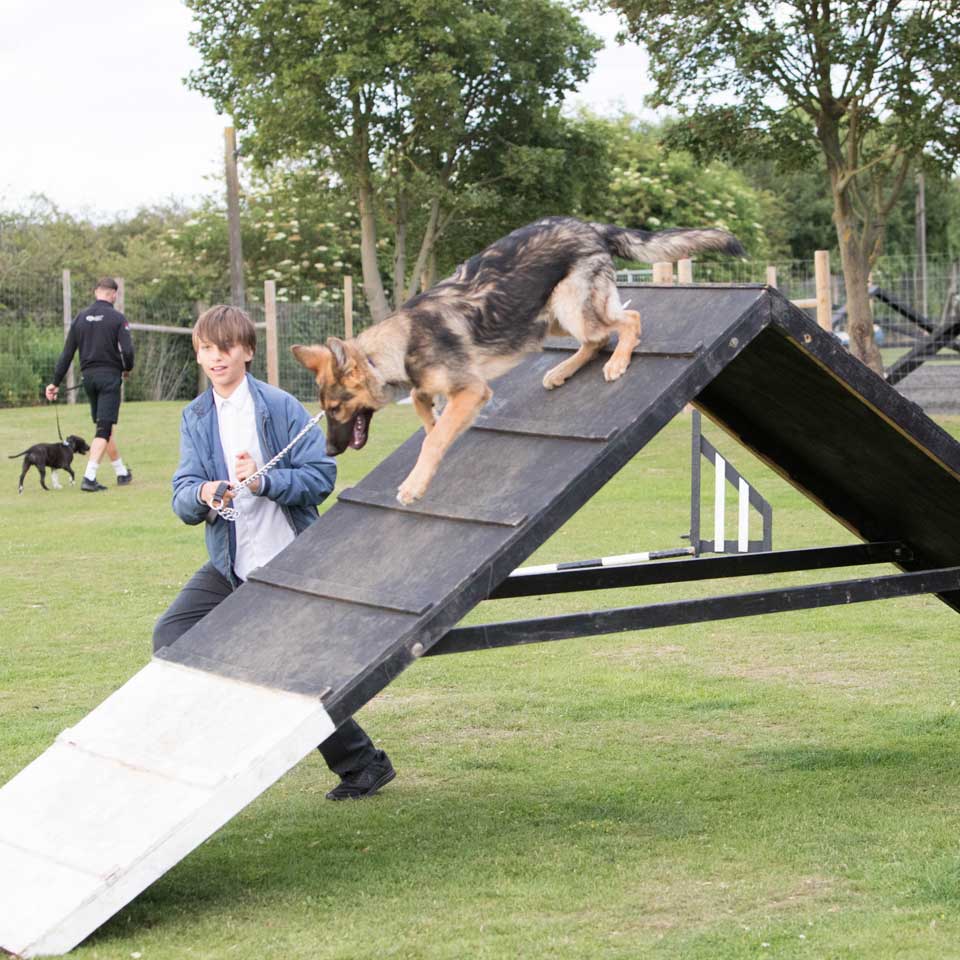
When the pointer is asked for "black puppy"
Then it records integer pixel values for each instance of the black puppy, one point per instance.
(56, 456)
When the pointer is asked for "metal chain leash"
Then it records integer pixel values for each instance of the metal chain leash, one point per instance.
(231, 513)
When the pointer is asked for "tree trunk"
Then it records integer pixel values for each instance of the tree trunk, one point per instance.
(421, 267)
(372, 281)
(855, 262)
(400, 252)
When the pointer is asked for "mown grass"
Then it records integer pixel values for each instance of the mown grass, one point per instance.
(784, 786)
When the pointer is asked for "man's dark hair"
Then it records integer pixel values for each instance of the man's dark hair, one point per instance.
(107, 283)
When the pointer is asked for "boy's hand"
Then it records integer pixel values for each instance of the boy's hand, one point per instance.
(208, 490)
(245, 467)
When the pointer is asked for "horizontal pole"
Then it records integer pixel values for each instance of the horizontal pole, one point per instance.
(620, 560)
(595, 623)
(702, 568)
(160, 328)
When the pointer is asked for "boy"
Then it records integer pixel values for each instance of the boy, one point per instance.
(227, 433)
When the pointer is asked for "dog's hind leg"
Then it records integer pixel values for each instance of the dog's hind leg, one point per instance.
(628, 336)
(578, 305)
(23, 473)
(458, 413)
(423, 404)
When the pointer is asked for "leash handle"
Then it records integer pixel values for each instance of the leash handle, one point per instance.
(231, 513)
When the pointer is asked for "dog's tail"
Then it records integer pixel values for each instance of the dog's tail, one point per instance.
(13, 456)
(667, 245)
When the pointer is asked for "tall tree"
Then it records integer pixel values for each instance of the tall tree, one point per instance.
(871, 85)
(397, 98)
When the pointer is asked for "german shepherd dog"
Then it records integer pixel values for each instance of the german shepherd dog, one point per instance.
(56, 456)
(477, 324)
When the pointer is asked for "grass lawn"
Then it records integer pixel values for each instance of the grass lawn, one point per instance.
(783, 786)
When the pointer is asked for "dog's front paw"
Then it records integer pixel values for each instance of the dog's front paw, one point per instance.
(410, 491)
(614, 369)
(553, 378)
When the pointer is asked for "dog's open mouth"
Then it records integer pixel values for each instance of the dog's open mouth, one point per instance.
(359, 428)
(351, 434)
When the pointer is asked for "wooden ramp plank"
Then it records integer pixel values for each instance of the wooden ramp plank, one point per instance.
(131, 789)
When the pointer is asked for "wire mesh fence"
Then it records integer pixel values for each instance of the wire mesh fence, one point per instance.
(32, 322)
(901, 279)
(32, 334)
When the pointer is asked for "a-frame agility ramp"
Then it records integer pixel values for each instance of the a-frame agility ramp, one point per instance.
(220, 715)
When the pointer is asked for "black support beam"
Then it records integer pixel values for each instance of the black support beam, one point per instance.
(595, 623)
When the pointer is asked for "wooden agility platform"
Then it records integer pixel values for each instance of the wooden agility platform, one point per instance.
(219, 715)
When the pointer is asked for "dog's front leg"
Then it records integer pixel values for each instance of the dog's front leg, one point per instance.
(423, 404)
(458, 413)
(54, 481)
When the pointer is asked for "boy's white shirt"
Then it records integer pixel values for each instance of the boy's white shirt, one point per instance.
(262, 529)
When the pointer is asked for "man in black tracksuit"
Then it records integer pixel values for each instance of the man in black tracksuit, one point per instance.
(102, 335)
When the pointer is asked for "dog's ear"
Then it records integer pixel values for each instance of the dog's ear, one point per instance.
(341, 355)
(315, 358)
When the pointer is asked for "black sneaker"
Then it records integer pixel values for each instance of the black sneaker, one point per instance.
(125, 478)
(91, 486)
(366, 782)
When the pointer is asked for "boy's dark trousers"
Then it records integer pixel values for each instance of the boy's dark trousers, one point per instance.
(347, 750)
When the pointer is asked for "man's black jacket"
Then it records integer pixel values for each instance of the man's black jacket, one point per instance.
(103, 336)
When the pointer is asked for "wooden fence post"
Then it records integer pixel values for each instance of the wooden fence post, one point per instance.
(202, 381)
(270, 314)
(67, 320)
(771, 276)
(238, 293)
(685, 271)
(120, 304)
(347, 306)
(821, 272)
(663, 273)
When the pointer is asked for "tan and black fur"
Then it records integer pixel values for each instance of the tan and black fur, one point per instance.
(477, 324)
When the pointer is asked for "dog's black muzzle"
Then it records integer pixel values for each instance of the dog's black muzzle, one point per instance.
(352, 434)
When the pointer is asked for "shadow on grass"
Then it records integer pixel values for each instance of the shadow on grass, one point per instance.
(294, 850)
(834, 758)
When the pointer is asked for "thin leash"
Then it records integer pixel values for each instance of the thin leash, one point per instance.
(231, 513)
(57, 409)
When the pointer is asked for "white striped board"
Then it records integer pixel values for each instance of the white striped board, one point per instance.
(129, 791)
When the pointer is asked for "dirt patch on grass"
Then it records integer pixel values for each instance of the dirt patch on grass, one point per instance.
(797, 674)
(667, 904)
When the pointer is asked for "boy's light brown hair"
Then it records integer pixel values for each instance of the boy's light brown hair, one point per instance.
(225, 326)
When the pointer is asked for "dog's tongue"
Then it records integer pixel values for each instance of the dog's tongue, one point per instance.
(359, 435)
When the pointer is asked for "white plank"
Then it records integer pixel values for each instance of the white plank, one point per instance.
(130, 790)
(743, 517)
(719, 503)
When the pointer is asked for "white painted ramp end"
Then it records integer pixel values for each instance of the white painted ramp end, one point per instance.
(130, 790)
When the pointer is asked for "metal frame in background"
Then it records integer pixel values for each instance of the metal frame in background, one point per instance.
(726, 607)
(747, 498)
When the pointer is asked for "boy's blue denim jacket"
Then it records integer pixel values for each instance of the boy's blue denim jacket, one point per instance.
(301, 480)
